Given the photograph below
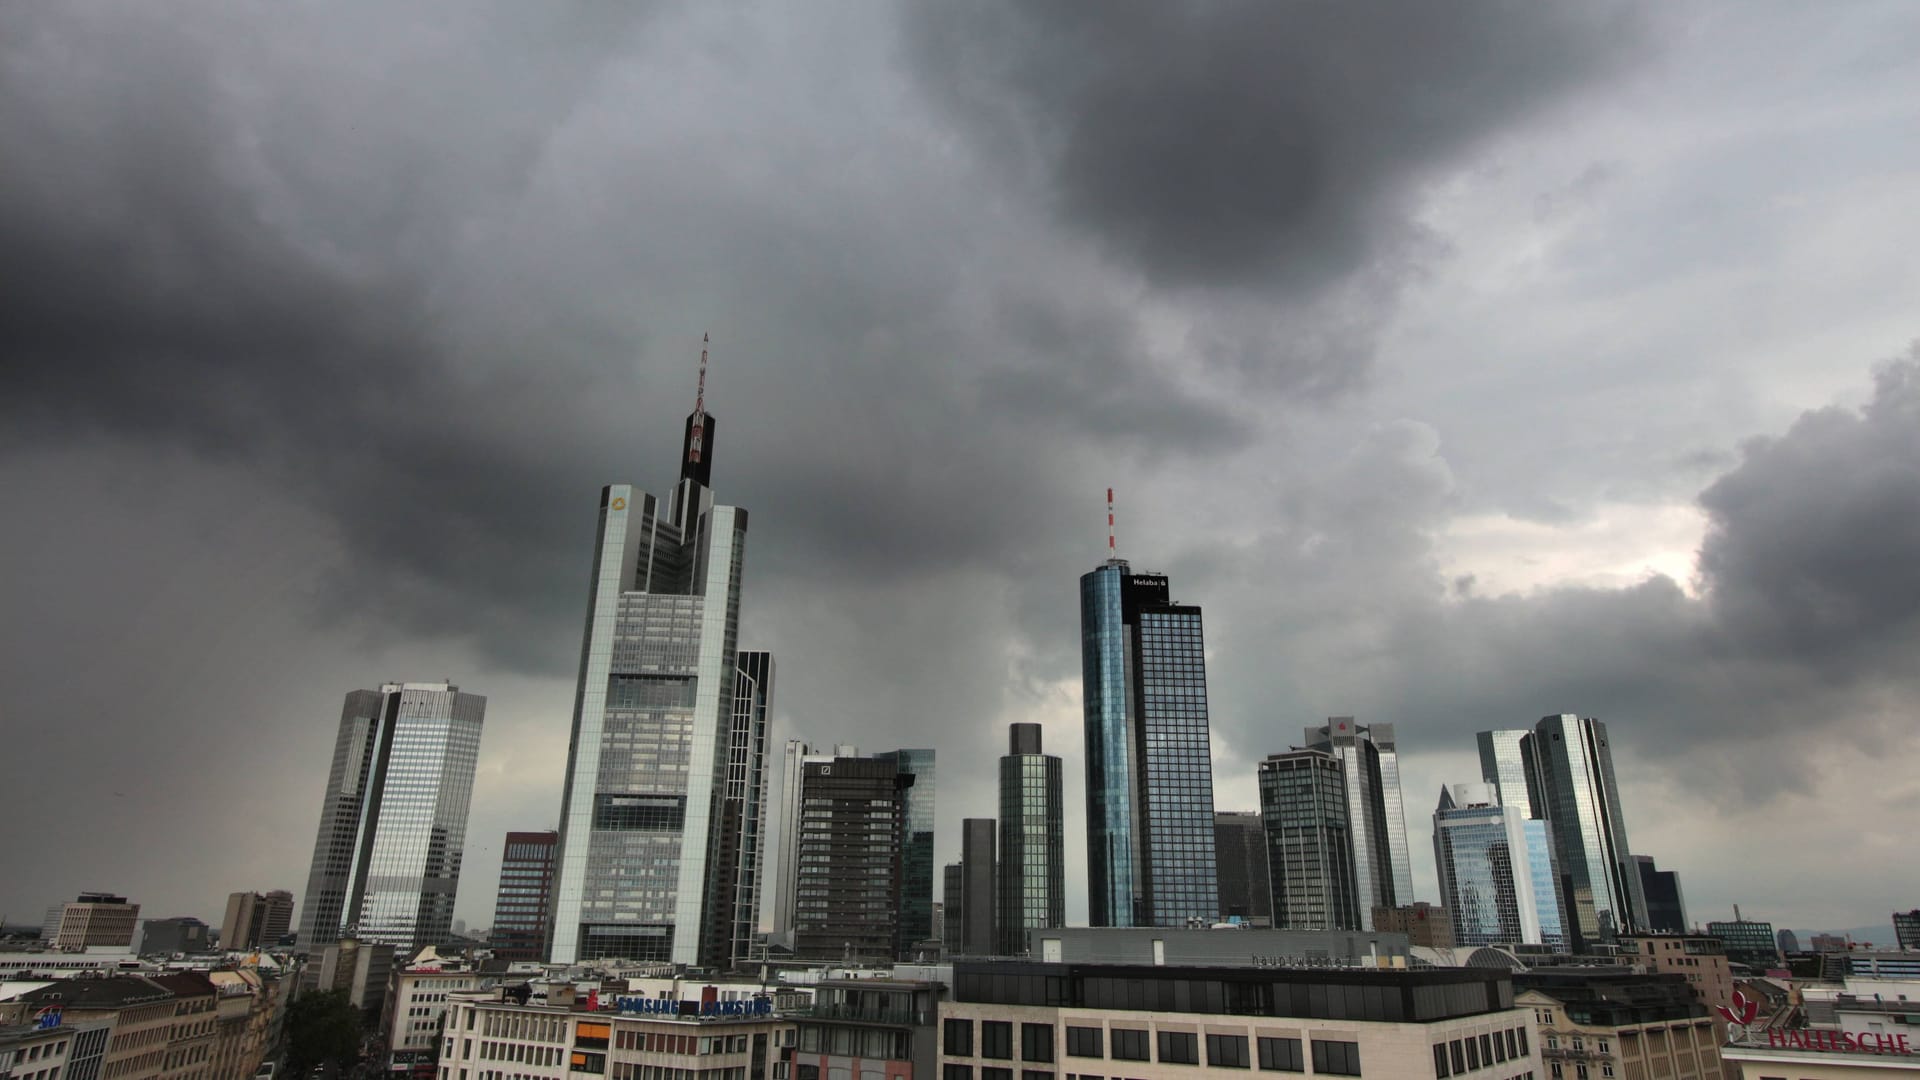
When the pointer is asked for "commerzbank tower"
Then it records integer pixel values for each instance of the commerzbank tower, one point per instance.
(662, 820)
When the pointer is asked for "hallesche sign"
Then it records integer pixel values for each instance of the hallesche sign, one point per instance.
(1845, 1041)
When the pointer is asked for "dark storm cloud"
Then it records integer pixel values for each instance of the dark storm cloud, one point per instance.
(1255, 144)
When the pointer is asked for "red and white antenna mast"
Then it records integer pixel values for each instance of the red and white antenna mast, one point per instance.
(1111, 553)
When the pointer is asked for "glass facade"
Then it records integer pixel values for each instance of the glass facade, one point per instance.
(1370, 764)
(1033, 868)
(1496, 871)
(1240, 854)
(852, 830)
(916, 890)
(1303, 801)
(1505, 764)
(651, 816)
(1149, 755)
(1113, 893)
(393, 826)
(1600, 882)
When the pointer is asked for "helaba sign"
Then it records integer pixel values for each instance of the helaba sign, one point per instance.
(1844, 1041)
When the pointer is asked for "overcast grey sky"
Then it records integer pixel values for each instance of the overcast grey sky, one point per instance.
(1466, 362)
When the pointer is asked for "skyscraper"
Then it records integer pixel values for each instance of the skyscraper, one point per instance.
(1666, 906)
(253, 921)
(393, 825)
(526, 890)
(1496, 871)
(1505, 763)
(778, 898)
(979, 894)
(1033, 861)
(740, 820)
(1149, 759)
(646, 810)
(1382, 866)
(1573, 766)
(1240, 853)
(852, 839)
(916, 890)
(953, 907)
(1310, 849)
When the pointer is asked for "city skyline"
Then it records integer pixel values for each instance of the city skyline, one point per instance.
(1461, 393)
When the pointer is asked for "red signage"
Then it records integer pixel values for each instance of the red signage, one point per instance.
(1782, 1039)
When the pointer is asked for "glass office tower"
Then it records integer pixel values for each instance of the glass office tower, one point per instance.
(1496, 871)
(1310, 849)
(644, 814)
(1033, 860)
(1149, 758)
(739, 836)
(916, 889)
(520, 904)
(1382, 865)
(393, 826)
(1573, 765)
(1505, 764)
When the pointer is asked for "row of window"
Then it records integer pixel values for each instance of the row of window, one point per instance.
(1465, 1055)
(1334, 1057)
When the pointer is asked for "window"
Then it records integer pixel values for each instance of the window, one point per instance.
(1036, 1042)
(1579, 1072)
(1179, 1048)
(1486, 1049)
(1035, 1074)
(1227, 1052)
(1459, 1056)
(996, 1074)
(1473, 1053)
(957, 1038)
(1085, 1042)
(1522, 1033)
(1513, 1045)
(1129, 1045)
(1606, 1068)
(1440, 1061)
(1499, 1046)
(1281, 1055)
(996, 1039)
(1579, 1043)
(1604, 1048)
(1336, 1058)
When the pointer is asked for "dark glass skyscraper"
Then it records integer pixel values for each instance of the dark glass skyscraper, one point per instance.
(526, 888)
(978, 896)
(393, 826)
(659, 854)
(852, 829)
(1303, 800)
(1149, 758)
(1033, 862)
(1572, 764)
(1240, 852)
(916, 889)
(1666, 906)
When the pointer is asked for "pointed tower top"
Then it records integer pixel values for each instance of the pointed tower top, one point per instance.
(700, 395)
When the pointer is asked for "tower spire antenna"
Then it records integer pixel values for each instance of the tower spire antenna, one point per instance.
(1111, 552)
(700, 395)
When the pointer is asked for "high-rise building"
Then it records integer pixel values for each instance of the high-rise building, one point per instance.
(1149, 758)
(1240, 856)
(852, 826)
(646, 804)
(1382, 866)
(1747, 941)
(1572, 761)
(916, 892)
(1788, 941)
(953, 904)
(1310, 850)
(1906, 929)
(393, 825)
(96, 918)
(525, 892)
(1666, 907)
(1496, 871)
(1505, 763)
(740, 819)
(255, 921)
(1033, 860)
(979, 895)
(181, 934)
(1423, 923)
(778, 898)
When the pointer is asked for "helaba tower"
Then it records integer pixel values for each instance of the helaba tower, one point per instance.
(1150, 854)
(664, 811)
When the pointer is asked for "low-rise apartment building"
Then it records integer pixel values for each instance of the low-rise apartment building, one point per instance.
(1617, 1024)
(622, 1037)
(1100, 1021)
(1702, 959)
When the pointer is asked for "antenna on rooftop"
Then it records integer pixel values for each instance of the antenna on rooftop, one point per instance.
(1110, 548)
(700, 395)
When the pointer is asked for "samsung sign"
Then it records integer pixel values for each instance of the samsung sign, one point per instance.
(663, 1006)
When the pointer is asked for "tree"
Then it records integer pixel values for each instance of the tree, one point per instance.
(322, 1026)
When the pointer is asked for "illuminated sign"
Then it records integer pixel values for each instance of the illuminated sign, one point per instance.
(758, 1006)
